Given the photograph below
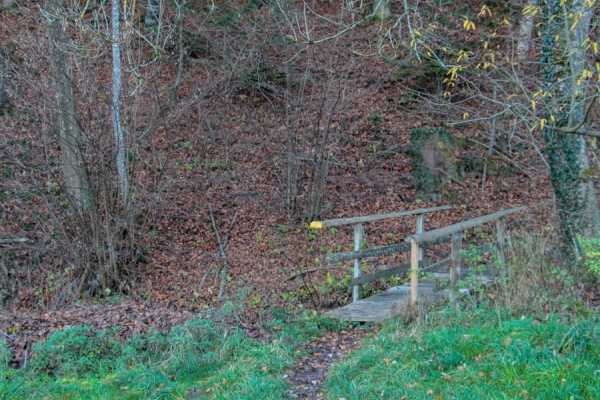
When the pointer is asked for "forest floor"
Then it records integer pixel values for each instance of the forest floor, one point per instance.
(224, 150)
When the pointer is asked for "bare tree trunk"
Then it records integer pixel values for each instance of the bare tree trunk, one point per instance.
(180, 18)
(69, 133)
(525, 33)
(4, 102)
(116, 106)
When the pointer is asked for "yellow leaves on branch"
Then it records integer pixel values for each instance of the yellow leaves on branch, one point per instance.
(415, 34)
(588, 44)
(484, 10)
(452, 75)
(463, 55)
(540, 124)
(485, 65)
(575, 18)
(531, 10)
(468, 24)
(585, 75)
(542, 93)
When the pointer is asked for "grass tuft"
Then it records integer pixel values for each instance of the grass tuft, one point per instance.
(458, 356)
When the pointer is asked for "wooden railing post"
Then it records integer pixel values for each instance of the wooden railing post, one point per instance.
(414, 273)
(455, 258)
(420, 229)
(501, 234)
(358, 237)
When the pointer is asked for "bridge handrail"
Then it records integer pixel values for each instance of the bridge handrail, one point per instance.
(375, 217)
(461, 226)
(455, 231)
(358, 235)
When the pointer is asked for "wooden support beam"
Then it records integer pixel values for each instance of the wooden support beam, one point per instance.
(386, 273)
(414, 271)
(420, 229)
(501, 234)
(379, 251)
(370, 218)
(455, 258)
(449, 230)
(358, 237)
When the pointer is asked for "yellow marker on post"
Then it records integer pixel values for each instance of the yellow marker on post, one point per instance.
(316, 225)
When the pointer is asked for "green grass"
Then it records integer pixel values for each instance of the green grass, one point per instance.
(475, 354)
(201, 357)
(480, 352)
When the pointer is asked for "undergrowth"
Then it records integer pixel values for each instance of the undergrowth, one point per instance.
(204, 357)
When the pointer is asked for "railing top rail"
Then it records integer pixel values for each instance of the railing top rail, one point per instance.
(370, 218)
(449, 230)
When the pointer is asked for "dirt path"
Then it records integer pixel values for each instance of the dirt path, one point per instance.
(309, 372)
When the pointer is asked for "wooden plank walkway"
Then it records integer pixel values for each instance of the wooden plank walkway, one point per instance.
(390, 304)
(385, 305)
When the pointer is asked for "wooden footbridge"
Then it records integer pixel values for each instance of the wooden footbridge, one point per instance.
(392, 302)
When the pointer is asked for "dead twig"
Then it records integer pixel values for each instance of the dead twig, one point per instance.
(222, 245)
(308, 271)
(14, 240)
(201, 285)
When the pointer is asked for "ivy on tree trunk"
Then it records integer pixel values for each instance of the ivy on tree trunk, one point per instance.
(575, 197)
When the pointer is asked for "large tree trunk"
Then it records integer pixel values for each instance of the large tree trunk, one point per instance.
(589, 218)
(575, 195)
(574, 192)
(69, 133)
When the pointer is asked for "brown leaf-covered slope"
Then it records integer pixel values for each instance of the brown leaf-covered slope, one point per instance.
(224, 142)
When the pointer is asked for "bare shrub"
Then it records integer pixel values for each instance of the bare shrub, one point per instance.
(532, 279)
